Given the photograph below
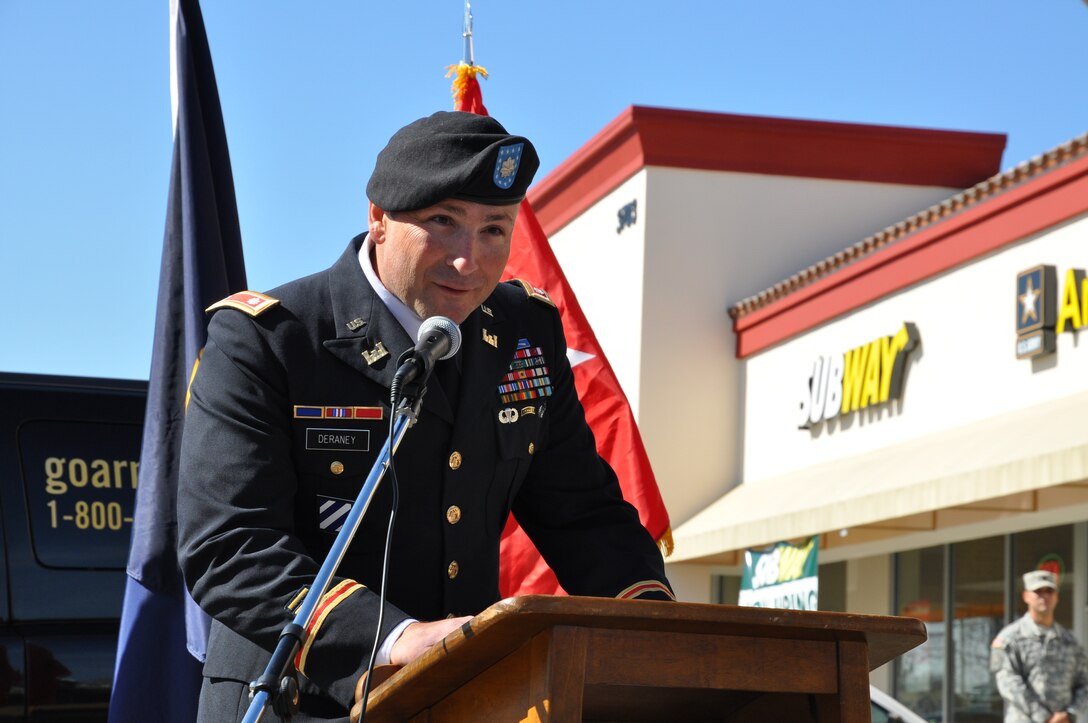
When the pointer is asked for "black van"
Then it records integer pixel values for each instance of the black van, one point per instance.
(69, 457)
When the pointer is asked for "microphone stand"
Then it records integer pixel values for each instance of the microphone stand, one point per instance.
(278, 681)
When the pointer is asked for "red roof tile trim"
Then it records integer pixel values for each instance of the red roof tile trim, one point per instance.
(642, 136)
(1035, 195)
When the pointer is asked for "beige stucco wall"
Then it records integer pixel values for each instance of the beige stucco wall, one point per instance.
(606, 271)
(657, 296)
(868, 591)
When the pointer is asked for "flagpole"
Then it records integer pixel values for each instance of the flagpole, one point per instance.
(469, 58)
(521, 569)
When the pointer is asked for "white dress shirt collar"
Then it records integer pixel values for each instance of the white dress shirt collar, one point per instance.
(400, 311)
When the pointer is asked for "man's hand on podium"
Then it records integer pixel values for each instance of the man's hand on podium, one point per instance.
(412, 643)
(418, 637)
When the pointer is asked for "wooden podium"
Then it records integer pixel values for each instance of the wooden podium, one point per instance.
(563, 659)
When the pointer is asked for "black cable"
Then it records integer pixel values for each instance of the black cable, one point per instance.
(385, 561)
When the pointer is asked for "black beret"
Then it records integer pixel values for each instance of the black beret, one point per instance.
(452, 154)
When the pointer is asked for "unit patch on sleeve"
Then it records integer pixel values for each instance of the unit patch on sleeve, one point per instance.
(527, 377)
(251, 302)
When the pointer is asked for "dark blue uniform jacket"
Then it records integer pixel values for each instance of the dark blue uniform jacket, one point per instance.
(263, 477)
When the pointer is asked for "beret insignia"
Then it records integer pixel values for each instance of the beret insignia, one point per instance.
(251, 302)
(535, 292)
(506, 165)
(452, 154)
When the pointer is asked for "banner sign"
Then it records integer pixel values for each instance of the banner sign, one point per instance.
(783, 576)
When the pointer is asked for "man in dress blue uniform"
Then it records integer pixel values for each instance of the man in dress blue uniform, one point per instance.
(1041, 669)
(290, 406)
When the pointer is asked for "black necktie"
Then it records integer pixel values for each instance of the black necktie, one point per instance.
(449, 376)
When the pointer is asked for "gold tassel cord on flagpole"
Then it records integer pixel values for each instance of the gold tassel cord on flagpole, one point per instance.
(463, 72)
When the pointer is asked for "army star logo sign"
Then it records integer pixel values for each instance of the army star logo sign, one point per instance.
(1036, 302)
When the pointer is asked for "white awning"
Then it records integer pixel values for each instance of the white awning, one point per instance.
(1036, 448)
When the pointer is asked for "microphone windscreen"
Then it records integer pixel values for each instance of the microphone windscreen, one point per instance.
(445, 326)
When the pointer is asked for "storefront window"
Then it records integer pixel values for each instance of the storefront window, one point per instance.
(919, 673)
(978, 594)
(832, 592)
(725, 589)
(1051, 549)
(982, 586)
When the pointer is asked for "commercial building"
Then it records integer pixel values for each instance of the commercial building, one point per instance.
(863, 333)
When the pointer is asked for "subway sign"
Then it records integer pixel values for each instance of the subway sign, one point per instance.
(1042, 312)
(863, 377)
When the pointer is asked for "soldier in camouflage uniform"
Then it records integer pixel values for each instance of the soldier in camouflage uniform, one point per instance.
(1041, 669)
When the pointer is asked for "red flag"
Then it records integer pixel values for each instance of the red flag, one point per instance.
(521, 569)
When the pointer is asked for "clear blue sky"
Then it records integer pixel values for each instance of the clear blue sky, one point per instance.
(312, 90)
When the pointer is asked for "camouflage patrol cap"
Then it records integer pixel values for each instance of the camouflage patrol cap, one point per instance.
(1038, 579)
(452, 154)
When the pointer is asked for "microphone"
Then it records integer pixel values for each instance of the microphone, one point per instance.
(439, 338)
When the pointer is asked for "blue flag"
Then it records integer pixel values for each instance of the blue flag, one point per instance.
(163, 634)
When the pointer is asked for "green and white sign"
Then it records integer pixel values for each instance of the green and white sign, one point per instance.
(783, 576)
